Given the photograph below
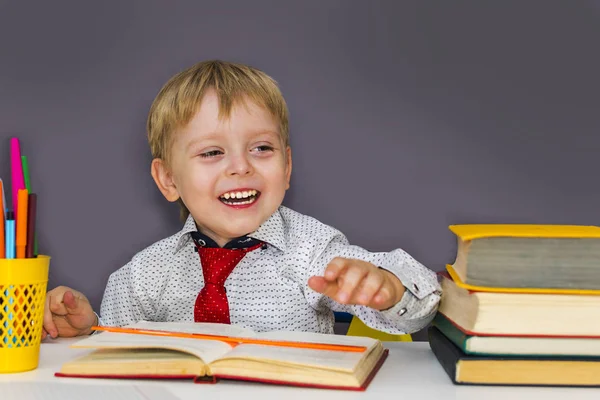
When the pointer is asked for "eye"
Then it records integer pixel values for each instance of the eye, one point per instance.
(264, 148)
(212, 153)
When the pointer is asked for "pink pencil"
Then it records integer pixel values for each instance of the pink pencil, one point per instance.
(16, 169)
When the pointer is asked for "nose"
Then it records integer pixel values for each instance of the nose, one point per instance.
(239, 165)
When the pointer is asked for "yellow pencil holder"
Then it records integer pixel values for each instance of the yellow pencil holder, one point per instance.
(23, 284)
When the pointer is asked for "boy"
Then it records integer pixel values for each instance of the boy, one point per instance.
(219, 138)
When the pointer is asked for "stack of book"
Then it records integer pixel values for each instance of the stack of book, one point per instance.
(521, 306)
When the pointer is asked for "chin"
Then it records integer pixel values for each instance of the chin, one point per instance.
(243, 229)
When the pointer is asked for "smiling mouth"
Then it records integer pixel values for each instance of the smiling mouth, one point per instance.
(239, 198)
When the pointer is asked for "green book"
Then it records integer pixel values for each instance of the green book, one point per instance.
(517, 345)
(468, 369)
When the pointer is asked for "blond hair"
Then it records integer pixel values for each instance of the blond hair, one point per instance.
(179, 100)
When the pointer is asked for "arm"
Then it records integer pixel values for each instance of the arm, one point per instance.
(390, 292)
(69, 313)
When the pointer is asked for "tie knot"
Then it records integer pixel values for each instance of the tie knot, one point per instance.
(217, 263)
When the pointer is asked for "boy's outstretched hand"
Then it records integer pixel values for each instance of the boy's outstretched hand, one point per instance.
(350, 281)
(67, 313)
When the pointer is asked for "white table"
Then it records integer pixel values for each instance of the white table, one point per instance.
(411, 372)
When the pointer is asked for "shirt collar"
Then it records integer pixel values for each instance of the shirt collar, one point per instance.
(242, 242)
(183, 236)
(272, 231)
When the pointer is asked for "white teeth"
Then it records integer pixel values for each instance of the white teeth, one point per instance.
(239, 195)
(239, 203)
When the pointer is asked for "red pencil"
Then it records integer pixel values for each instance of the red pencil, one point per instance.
(31, 214)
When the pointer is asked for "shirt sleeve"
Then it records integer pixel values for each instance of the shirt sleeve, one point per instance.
(413, 312)
(125, 300)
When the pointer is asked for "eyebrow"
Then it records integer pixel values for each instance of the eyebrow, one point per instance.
(194, 142)
(266, 132)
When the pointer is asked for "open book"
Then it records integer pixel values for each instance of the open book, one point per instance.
(143, 356)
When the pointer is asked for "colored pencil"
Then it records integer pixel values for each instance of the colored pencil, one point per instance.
(31, 215)
(16, 173)
(21, 218)
(9, 229)
(25, 168)
(2, 242)
(234, 341)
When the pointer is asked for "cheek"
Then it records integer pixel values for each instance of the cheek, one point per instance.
(275, 173)
(279, 177)
(197, 180)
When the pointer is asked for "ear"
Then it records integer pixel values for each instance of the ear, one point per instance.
(288, 166)
(164, 179)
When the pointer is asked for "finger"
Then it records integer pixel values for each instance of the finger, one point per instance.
(383, 296)
(57, 306)
(390, 293)
(71, 303)
(335, 268)
(48, 324)
(321, 285)
(44, 333)
(369, 287)
(349, 281)
(317, 283)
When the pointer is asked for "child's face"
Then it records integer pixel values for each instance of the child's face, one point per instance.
(215, 162)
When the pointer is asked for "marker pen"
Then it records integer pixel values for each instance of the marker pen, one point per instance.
(10, 234)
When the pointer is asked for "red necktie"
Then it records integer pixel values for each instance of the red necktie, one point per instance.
(217, 263)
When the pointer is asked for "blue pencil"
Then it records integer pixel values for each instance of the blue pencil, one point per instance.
(10, 235)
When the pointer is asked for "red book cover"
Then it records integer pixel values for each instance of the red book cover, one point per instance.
(215, 379)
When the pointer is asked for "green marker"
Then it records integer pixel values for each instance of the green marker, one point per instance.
(26, 173)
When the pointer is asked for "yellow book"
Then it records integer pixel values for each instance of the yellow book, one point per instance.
(478, 231)
(528, 258)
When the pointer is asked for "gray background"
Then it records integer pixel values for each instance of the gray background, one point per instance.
(405, 116)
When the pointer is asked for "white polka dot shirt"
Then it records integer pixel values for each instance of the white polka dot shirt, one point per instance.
(268, 290)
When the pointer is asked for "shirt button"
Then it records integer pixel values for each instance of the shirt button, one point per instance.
(415, 287)
(402, 311)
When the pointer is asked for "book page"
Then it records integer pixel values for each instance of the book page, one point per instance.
(328, 359)
(311, 337)
(325, 359)
(205, 328)
(206, 350)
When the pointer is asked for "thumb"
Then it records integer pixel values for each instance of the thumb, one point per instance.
(71, 302)
(323, 286)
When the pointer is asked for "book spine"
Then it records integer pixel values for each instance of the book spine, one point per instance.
(446, 355)
(458, 337)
